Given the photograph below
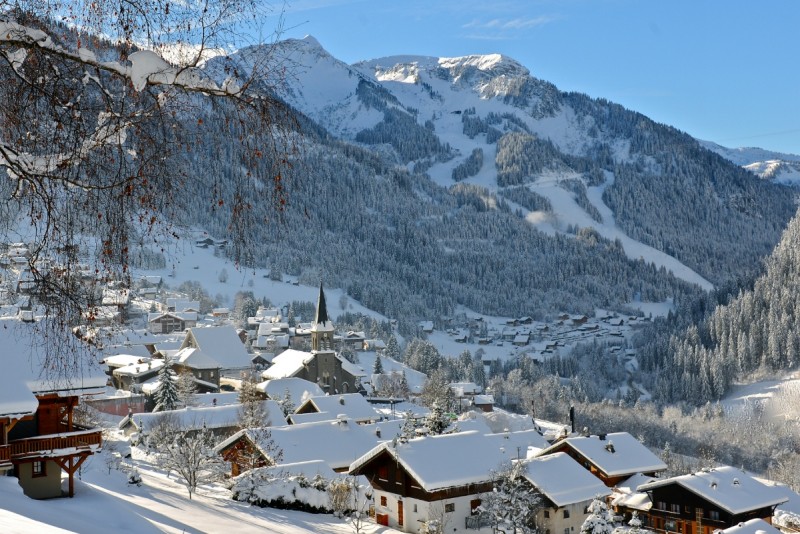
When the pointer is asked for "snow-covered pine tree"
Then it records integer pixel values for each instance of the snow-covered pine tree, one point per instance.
(513, 503)
(436, 422)
(186, 389)
(286, 404)
(599, 520)
(377, 369)
(253, 413)
(392, 348)
(166, 394)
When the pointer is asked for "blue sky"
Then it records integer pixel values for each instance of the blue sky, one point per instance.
(726, 71)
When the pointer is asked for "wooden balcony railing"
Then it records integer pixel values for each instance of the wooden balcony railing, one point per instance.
(79, 441)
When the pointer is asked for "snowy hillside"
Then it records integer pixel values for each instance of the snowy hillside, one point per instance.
(775, 166)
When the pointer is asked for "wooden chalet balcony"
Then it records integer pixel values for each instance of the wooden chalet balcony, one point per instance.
(51, 445)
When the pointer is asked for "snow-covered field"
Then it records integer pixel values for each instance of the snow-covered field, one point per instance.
(105, 503)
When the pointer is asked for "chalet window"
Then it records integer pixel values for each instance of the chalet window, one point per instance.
(566, 514)
(39, 469)
(687, 509)
(473, 505)
(450, 507)
(415, 508)
(383, 500)
(669, 525)
(547, 514)
(713, 515)
(383, 472)
(675, 508)
(566, 530)
(661, 505)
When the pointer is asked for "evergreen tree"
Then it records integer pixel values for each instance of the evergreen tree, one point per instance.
(286, 404)
(186, 389)
(513, 503)
(253, 412)
(392, 348)
(600, 520)
(436, 422)
(377, 368)
(166, 394)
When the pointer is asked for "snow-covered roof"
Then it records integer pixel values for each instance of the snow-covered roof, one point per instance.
(287, 364)
(465, 388)
(616, 454)
(195, 358)
(121, 360)
(350, 367)
(194, 418)
(23, 356)
(313, 417)
(138, 369)
(353, 405)
(337, 443)
(562, 480)
(729, 488)
(298, 388)
(223, 344)
(431, 460)
(753, 526)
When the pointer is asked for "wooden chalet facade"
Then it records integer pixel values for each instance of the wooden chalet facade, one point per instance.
(412, 480)
(707, 501)
(402, 503)
(36, 447)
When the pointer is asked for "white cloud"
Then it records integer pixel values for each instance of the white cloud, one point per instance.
(519, 23)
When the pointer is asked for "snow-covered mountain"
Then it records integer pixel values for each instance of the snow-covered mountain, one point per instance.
(429, 183)
(776, 166)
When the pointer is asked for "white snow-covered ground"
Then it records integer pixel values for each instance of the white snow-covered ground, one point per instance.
(105, 503)
(775, 400)
(190, 263)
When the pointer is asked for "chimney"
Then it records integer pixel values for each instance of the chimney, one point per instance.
(572, 417)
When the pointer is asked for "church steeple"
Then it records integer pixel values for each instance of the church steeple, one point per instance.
(322, 329)
(322, 309)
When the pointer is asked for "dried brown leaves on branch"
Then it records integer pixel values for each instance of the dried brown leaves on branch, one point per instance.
(99, 100)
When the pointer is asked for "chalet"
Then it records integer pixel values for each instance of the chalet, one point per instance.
(610, 457)
(522, 339)
(223, 344)
(409, 479)
(337, 443)
(203, 368)
(354, 340)
(133, 376)
(166, 323)
(183, 305)
(709, 500)
(484, 403)
(38, 434)
(426, 326)
(119, 297)
(222, 420)
(375, 345)
(354, 406)
(567, 488)
(118, 361)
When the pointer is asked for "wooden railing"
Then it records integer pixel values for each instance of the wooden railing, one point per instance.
(31, 446)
